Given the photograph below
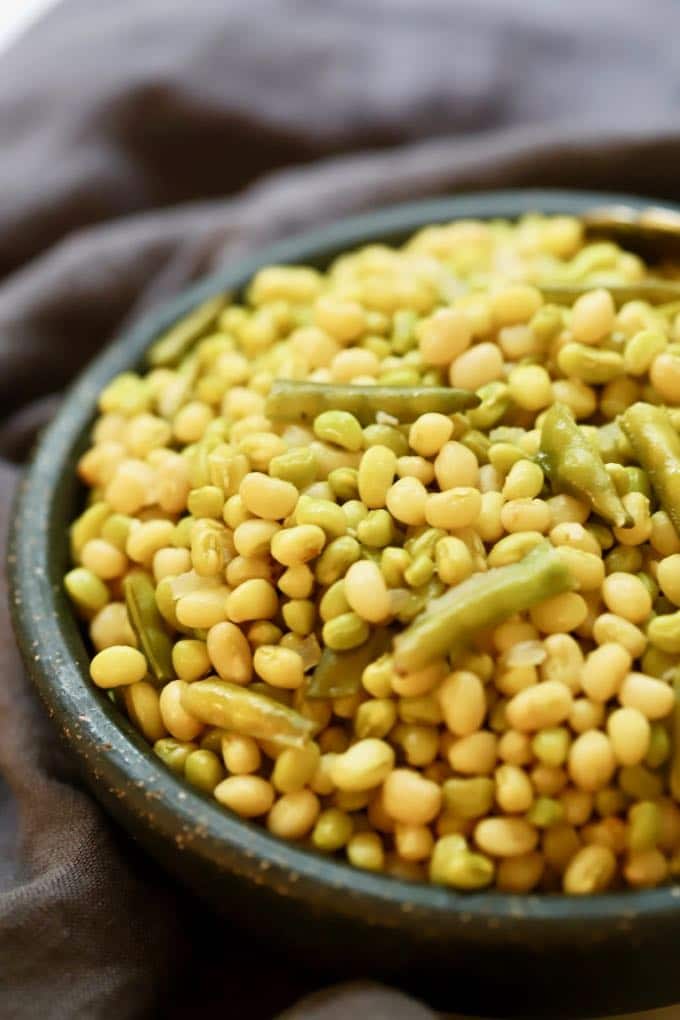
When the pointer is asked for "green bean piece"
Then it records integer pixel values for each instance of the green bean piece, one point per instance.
(338, 674)
(573, 465)
(654, 292)
(278, 694)
(481, 601)
(290, 400)
(147, 623)
(220, 703)
(638, 481)
(657, 448)
(173, 345)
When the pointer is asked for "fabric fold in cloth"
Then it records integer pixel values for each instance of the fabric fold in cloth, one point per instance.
(144, 144)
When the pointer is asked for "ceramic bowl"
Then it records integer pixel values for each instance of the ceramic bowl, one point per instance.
(540, 955)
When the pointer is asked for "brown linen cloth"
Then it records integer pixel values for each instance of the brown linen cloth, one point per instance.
(131, 134)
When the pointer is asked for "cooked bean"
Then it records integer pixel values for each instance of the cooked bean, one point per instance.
(591, 761)
(117, 666)
(381, 569)
(505, 837)
(590, 870)
(605, 670)
(654, 698)
(545, 704)
(363, 766)
(248, 796)
(410, 799)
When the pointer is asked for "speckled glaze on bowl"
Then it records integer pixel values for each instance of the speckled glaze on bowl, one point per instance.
(487, 953)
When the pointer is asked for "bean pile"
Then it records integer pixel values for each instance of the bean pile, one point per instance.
(388, 557)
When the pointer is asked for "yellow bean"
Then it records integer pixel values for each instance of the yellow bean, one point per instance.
(453, 509)
(190, 659)
(292, 546)
(593, 316)
(111, 626)
(645, 868)
(363, 766)
(103, 559)
(376, 473)
(474, 754)
(366, 591)
(654, 698)
(591, 761)
(280, 667)
(609, 627)
(535, 708)
(626, 596)
(668, 576)
(241, 755)
(117, 666)
(443, 336)
(142, 706)
(456, 466)
(248, 796)
(520, 874)
(406, 500)
(269, 498)
(514, 792)
(204, 607)
(413, 842)
(229, 652)
(295, 768)
(410, 799)
(176, 719)
(605, 670)
(590, 870)
(463, 702)
(505, 837)
(252, 600)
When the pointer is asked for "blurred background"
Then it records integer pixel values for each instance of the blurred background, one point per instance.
(144, 142)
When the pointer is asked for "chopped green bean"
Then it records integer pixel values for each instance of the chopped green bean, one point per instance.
(173, 345)
(147, 623)
(654, 292)
(481, 601)
(244, 711)
(289, 400)
(657, 447)
(574, 466)
(338, 674)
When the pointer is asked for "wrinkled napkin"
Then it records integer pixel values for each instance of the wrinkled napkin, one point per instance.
(144, 143)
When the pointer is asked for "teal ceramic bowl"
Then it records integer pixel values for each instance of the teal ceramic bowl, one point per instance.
(487, 953)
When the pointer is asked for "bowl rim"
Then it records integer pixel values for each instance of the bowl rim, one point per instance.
(108, 747)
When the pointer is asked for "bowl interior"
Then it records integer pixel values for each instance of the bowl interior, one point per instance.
(112, 751)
